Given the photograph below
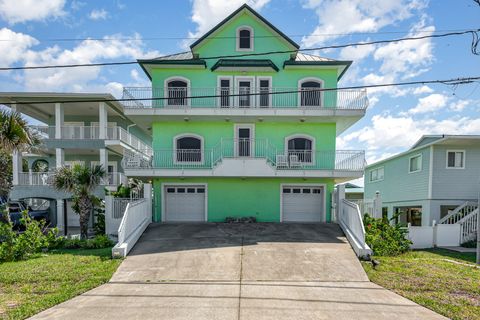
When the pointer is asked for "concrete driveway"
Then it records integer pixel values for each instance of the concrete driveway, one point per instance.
(240, 271)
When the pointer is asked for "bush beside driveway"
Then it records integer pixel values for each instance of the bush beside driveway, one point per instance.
(443, 281)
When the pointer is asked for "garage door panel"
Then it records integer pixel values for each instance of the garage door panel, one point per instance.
(302, 204)
(184, 203)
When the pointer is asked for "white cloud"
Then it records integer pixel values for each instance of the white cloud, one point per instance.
(430, 103)
(78, 79)
(14, 48)
(356, 53)
(388, 132)
(207, 13)
(356, 16)
(422, 89)
(98, 14)
(459, 105)
(15, 11)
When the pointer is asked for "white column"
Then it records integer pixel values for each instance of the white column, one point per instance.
(104, 162)
(147, 194)
(102, 120)
(60, 216)
(16, 166)
(59, 119)
(59, 157)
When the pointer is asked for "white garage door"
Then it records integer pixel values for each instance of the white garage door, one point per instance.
(184, 203)
(302, 204)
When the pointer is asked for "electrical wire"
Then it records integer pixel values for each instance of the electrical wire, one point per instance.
(473, 32)
(453, 82)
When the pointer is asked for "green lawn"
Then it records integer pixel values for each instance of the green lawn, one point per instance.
(28, 287)
(433, 279)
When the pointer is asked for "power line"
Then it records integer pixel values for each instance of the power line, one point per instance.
(231, 37)
(473, 32)
(453, 82)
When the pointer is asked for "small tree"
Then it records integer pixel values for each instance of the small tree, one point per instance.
(80, 181)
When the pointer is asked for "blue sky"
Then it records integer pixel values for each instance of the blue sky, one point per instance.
(396, 118)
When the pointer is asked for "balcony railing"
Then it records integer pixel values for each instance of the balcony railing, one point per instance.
(178, 98)
(208, 159)
(45, 179)
(93, 132)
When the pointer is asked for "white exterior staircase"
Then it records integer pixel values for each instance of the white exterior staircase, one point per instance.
(466, 216)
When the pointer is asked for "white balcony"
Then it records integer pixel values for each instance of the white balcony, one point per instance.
(45, 179)
(265, 98)
(114, 133)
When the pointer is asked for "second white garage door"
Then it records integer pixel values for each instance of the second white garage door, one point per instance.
(302, 204)
(184, 203)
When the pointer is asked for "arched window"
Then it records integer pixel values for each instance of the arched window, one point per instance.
(177, 91)
(309, 94)
(300, 148)
(188, 148)
(40, 166)
(244, 39)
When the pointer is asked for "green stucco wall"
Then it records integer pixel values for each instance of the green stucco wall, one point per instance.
(259, 197)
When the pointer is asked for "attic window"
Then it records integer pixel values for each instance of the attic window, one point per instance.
(244, 39)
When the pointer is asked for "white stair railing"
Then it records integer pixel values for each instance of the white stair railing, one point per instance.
(468, 226)
(459, 213)
(351, 222)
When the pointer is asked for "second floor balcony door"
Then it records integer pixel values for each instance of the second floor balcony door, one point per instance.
(244, 141)
(245, 86)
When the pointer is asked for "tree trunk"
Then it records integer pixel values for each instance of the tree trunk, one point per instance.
(85, 207)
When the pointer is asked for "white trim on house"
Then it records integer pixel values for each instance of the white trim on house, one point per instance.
(323, 217)
(376, 169)
(307, 79)
(463, 158)
(237, 36)
(237, 89)
(418, 155)
(175, 78)
(238, 126)
(189, 135)
(305, 136)
(231, 89)
(270, 86)
(171, 184)
(430, 174)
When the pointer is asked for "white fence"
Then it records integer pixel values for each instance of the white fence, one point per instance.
(438, 235)
(350, 219)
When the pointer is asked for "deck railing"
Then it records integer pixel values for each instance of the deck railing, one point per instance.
(91, 133)
(342, 160)
(178, 98)
(45, 178)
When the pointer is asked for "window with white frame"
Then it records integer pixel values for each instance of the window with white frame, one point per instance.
(309, 92)
(455, 159)
(244, 38)
(300, 148)
(415, 163)
(177, 91)
(376, 174)
(188, 148)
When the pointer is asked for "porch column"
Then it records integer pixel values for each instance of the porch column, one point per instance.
(16, 157)
(59, 157)
(102, 120)
(104, 163)
(60, 216)
(59, 120)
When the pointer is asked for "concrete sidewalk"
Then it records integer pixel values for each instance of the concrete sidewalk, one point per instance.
(254, 271)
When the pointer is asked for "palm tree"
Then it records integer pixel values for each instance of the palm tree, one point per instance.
(80, 181)
(15, 135)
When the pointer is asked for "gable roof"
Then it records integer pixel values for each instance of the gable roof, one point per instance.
(232, 15)
(182, 58)
(429, 140)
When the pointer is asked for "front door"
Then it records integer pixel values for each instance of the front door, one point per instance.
(245, 87)
(244, 141)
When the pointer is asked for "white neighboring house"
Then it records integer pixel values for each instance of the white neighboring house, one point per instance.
(435, 182)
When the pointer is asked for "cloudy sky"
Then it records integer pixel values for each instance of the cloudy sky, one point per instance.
(39, 32)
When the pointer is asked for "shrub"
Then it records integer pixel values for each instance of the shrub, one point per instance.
(384, 238)
(35, 239)
(99, 218)
(98, 242)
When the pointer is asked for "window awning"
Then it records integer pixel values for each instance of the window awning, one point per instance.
(245, 65)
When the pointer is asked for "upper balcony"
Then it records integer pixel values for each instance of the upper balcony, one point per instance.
(247, 158)
(115, 136)
(343, 106)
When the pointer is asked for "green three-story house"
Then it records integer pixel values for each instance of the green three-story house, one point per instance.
(237, 134)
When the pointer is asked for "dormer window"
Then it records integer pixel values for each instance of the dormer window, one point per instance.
(244, 39)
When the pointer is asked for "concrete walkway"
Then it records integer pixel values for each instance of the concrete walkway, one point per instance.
(231, 271)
